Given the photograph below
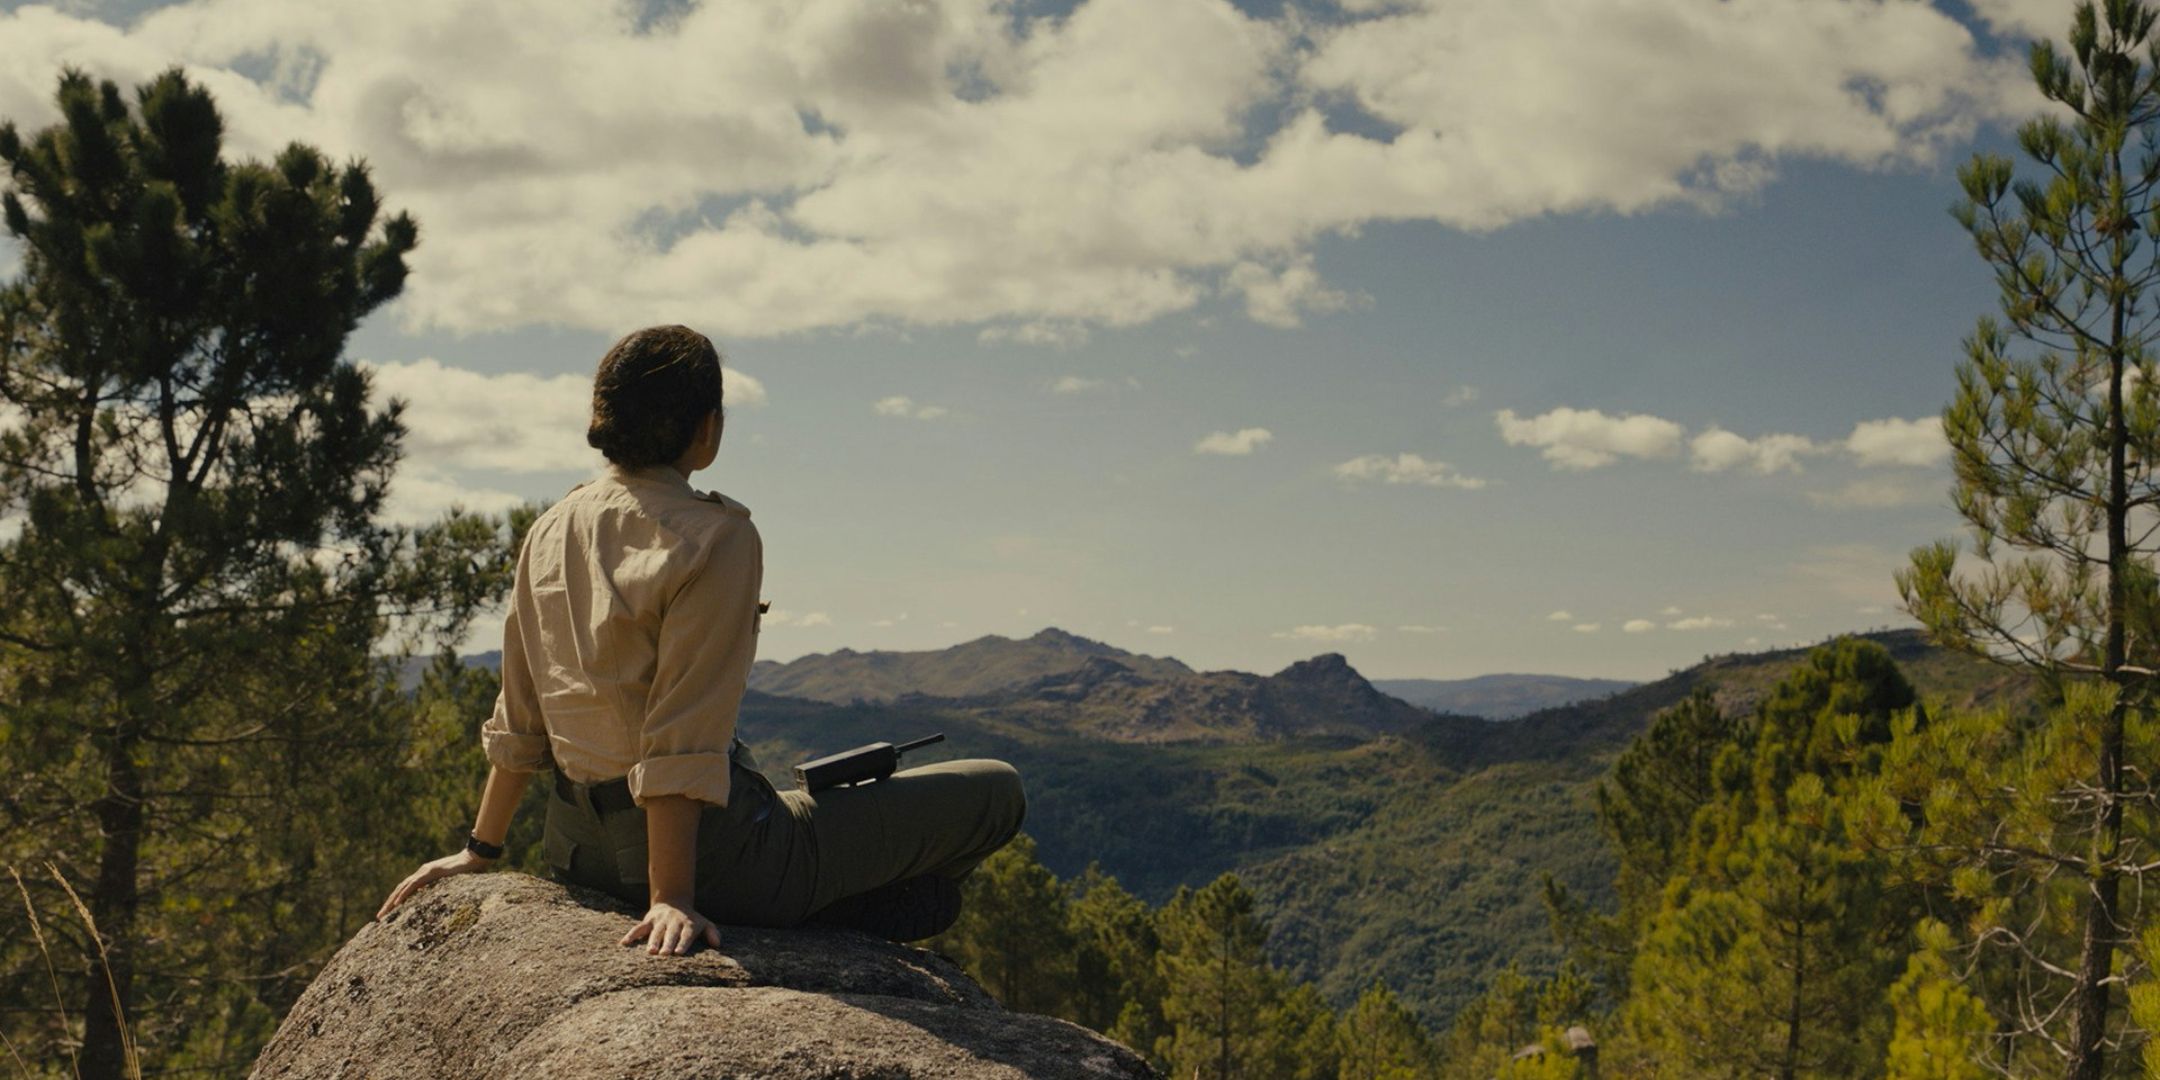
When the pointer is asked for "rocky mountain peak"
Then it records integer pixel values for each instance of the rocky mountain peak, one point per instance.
(1326, 669)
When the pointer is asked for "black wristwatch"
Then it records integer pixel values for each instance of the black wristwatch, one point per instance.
(482, 848)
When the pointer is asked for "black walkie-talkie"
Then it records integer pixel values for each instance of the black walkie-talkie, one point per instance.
(873, 762)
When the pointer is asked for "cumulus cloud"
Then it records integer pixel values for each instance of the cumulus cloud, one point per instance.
(1406, 468)
(1281, 296)
(1346, 632)
(508, 421)
(1559, 616)
(761, 169)
(1699, 622)
(1056, 335)
(1419, 628)
(1638, 626)
(778, 619)
(1074, 384)
(1161, 629)
(2020, 19)
(905, 406)
(1234, 443)
(1899, 442)
(421, 492)
(1573, 438)
(1875, 493)
(1461, 395)
(1716, 450)
(1588, 438)
(1586, 628)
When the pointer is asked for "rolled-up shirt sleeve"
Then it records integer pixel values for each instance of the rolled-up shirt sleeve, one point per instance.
(708, 638)
(515, 737)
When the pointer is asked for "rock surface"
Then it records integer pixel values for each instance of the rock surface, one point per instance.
(506, 975)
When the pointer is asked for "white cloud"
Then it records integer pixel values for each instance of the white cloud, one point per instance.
(1234, 443)
(1646, 102)
(1876, 492)
(1586, 628)
(1670, 609)
(1344, 633)
(1281, 295)
(1587, 438)
(1419, 628)
(420, 493)
(777, 618)
(2023, 19)
(1699, 622)
(1716, 450)
(1056, 335)
(902, 405)
(757, 169)
(1074, 384)
(1559, 616)
(510, 421)
(1406, 468)
(1638, 626)
(1893, 441)
(1461, 395)
(1159, 629)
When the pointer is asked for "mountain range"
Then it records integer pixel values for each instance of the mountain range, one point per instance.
(1382, 839)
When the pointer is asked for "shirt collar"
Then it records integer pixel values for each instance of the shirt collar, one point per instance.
(661, 473)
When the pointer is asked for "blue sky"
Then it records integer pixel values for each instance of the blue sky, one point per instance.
(1438, 260)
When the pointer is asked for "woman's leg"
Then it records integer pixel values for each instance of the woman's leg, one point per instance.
(944, 818)
(813, 849)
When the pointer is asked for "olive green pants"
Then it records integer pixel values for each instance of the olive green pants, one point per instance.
(773, 858)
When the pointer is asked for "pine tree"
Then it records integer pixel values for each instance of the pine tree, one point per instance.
(1116, 988)
(1013, 933)
(2055, 432)
(1379, 1039)
(1299, 1034)
(1941, 1028)
(1219, 988)
(197, 724)
(1775, 939)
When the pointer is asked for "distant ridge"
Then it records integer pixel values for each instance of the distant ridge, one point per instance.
(986, 665)
(1500, 697)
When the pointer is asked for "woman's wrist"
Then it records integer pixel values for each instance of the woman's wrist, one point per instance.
(481, 849)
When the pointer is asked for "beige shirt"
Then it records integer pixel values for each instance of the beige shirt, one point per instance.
(632, 625)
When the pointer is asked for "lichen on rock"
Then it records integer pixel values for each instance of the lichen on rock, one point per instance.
(506, 975)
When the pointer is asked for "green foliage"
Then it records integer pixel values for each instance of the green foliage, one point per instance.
(1973, 807)
(1379, 1039)
(2055, 436)
(1766, 964)
(1219, 990)
(1014, 934)
(198, 733)
(1941, 1027)
(1116, 988)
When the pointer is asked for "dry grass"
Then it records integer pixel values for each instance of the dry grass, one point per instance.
(130, 1054)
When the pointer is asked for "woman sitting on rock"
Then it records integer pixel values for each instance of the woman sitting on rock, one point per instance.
(631, 628)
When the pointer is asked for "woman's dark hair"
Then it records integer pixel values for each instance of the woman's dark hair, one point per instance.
(653, 388)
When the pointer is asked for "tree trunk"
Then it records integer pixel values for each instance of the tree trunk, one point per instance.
(113, 901)
(2096, 953)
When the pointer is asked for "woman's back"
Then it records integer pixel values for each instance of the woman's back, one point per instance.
(595, 675)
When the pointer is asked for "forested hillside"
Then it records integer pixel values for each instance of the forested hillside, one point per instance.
(1406, 846)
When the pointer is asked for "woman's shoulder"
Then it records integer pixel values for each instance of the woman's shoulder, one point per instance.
(725, 503)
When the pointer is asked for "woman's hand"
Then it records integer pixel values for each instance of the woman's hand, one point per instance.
(672, 928)
(464, 862)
